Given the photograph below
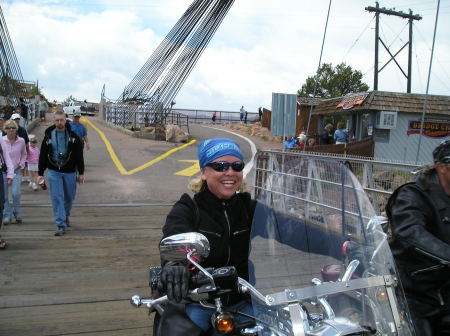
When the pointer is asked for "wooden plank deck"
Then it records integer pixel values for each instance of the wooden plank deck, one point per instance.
(81, 283)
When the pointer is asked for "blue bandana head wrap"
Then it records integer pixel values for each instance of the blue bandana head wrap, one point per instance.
(212, 149)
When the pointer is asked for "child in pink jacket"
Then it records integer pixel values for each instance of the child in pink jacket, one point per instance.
(33, 160)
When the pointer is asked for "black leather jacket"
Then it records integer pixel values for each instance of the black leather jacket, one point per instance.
(226, 224)
(74, 161)
(419, 215)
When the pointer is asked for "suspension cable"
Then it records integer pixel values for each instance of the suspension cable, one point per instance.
(425, 103)
(318, 68)
(159, 80)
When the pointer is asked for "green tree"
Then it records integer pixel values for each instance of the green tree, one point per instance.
(68, 100)
(333, 82)
(35, 91)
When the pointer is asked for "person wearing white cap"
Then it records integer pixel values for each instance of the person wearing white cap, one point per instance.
(302, 140)
(21, 131)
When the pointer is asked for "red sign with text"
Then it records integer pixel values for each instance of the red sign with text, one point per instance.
(432, 129)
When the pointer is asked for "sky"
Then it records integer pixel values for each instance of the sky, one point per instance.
(74, 47)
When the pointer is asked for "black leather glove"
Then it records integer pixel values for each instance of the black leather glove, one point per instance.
(175, 281)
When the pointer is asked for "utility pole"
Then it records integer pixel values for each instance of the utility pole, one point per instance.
(410, 16)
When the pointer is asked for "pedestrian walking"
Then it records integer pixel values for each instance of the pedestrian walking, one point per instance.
(43, 107)
(241, 113)
(79, 129)
(7, 175)
(15, 147)
(33, 161)
(62, 154)
(214, 115)
(260, 113)
(22, 132)
(23, 112)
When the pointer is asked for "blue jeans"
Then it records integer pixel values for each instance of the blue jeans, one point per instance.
(15, 191)
(2, 200)
(63, 187)
(201, 316)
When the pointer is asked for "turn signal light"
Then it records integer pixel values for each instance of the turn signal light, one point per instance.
(224, 323)
(381, 295)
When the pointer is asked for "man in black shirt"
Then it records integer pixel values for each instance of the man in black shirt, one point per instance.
(62, 154)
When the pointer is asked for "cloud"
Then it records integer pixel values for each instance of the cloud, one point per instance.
(75, 47)
(69, 51)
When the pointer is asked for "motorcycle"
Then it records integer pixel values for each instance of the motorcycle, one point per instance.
(302, 282)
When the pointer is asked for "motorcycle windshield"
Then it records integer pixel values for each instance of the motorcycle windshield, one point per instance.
(307, 212)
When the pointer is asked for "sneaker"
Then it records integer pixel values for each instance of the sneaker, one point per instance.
(67, 222)
(30, 185)
(60, 232)
(34, 186)
(7, 221)
(18, 219)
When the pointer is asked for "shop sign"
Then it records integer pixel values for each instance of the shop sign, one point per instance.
(431, 128)
(352, 100)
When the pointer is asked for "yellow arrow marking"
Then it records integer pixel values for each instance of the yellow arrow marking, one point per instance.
(117, 162)
(190, 171)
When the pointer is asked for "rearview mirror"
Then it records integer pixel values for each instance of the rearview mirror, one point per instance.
(176, 247)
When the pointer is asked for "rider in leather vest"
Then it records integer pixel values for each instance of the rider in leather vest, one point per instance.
(419, 214)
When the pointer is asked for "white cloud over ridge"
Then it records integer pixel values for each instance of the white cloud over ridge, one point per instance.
(74, 47)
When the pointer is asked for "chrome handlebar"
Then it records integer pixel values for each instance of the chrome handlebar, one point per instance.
(193, 295)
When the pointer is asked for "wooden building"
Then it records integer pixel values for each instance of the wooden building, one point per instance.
(392, 120)
(304, 106)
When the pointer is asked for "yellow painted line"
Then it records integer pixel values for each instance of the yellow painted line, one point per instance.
(117, 162)
(191, 170)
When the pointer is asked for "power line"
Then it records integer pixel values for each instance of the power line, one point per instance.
(357, 39)
(317, 73)
(418, 68)
(411, 17)
(398, 34)
(443, 69)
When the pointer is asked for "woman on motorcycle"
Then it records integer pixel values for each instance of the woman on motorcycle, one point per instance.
(223, 212)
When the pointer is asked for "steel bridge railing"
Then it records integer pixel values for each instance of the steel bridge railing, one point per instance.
(378, 178)
(135, 116)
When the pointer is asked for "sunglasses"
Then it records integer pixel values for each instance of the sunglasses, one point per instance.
(222, 166)
(10, 128)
